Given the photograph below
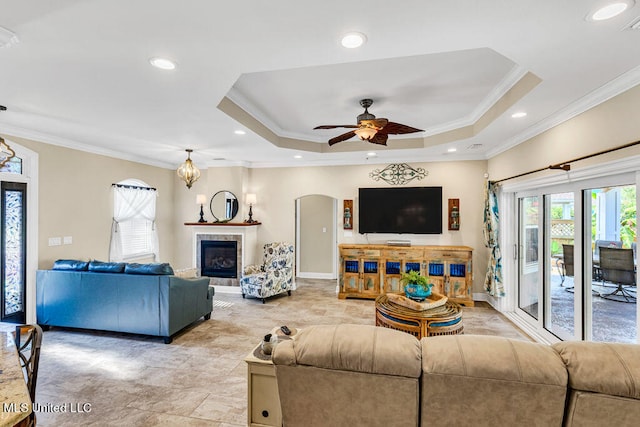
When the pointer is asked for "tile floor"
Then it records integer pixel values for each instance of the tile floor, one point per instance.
(199, 379)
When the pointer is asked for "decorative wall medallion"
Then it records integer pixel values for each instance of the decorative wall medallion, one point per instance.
(398, 174)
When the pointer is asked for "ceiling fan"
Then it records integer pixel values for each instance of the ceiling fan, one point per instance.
(369, 128)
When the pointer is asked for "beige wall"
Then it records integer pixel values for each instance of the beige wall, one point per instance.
(278, 188)
(611, 124)
(317, 234)
(75, 200)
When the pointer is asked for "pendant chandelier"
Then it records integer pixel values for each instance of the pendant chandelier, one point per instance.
(6, 152)
(187, 171)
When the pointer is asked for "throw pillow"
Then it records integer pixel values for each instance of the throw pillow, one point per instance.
(187, 273)
(106, 267)
(152, 268)
(70, 264)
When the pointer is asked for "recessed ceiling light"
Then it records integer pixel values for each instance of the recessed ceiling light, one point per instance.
(452, 150)
(519, 115)
(372, 154)
(239, 132)
(162, 63)
(297, 156)
(609, 11)
(353, 40)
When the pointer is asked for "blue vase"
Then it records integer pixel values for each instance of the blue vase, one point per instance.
(417, 292)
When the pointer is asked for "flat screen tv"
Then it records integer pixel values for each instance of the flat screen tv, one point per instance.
(415, 210)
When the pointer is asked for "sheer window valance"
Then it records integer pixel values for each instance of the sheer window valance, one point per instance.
(134, 232)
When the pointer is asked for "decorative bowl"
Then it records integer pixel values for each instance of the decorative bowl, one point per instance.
(417, 292)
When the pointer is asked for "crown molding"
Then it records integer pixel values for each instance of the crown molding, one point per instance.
(48, 138)
(507, 83)
(607, 91)
(241, 101)
(373, 160)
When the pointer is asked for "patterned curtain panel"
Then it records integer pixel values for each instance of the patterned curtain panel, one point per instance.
(493, 281)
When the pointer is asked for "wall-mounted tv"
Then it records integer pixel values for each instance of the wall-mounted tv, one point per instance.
(416, 210)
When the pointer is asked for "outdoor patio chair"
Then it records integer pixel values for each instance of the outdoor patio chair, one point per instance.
(606, 244)
(617, 267)
(597, 274)
(566, 264)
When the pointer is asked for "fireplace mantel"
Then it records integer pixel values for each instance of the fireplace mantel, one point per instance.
(222, 224)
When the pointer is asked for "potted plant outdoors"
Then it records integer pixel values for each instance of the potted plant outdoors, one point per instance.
(417, 287)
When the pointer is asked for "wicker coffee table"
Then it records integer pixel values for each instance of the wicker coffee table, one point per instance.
(443, 320)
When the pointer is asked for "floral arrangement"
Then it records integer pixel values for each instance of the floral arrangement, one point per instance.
(417, 287)
(413, 277)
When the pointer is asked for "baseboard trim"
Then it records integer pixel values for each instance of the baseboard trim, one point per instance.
(329, 276)
(528, 329)
(219, 289)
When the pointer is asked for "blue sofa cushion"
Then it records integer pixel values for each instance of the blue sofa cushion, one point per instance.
(70, 264)
(106, 267)
(153, 268)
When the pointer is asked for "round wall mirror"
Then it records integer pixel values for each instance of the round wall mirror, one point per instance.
(224, 206)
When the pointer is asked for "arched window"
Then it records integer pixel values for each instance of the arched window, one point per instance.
(133, 232)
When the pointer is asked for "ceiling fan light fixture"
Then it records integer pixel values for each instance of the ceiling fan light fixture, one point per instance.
(610, 10)
(366, 133)
(353, 40)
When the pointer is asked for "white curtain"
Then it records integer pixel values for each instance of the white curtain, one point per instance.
(132, 203)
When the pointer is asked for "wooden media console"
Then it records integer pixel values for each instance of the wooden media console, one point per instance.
(367, 271)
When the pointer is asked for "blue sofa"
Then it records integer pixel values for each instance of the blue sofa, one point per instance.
(135, 300)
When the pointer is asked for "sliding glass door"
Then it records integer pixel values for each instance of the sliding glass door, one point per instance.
(529, 265)
(560, 292)
(577, 260)
(611, 250)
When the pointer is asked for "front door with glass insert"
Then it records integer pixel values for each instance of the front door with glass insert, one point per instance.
(14, 250)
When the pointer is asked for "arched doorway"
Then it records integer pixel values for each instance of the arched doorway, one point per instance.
(316, 237)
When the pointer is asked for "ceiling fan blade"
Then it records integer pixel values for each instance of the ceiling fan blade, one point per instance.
(336, 126)
(342, 137)
(396, 129)
(379, 138)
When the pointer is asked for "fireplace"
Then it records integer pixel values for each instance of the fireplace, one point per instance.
(219, 258)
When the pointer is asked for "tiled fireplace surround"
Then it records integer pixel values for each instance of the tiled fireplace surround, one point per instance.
(226, 238)
(244, 236)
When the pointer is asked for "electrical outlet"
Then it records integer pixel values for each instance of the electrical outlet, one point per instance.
(55, 241)
(67, 240)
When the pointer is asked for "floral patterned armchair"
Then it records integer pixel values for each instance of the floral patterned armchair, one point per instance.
(274, 276)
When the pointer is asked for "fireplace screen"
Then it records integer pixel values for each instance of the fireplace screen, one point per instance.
(219, 258)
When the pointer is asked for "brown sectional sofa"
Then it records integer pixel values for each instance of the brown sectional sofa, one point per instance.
(358, 375)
